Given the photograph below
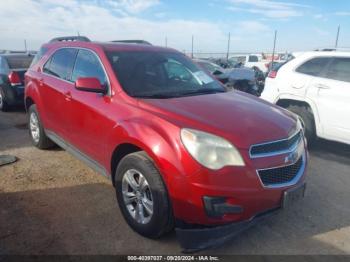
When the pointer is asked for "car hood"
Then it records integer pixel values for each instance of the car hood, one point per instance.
(240, 118)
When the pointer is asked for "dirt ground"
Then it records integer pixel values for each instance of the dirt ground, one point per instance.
(51, 203)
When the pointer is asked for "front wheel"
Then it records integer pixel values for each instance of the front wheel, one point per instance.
(142, 196)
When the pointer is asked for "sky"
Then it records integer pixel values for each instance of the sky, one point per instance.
(300, 24)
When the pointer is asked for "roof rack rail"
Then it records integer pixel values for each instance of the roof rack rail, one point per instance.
(142, 42)
(70, 38)
(333, 49)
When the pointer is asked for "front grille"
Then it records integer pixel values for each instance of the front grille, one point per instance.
(280, 175)
(275, 147)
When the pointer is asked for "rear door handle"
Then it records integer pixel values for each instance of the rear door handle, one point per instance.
(322, 86)
(68, 96)
(41, 81)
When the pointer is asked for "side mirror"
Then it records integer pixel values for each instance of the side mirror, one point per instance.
(89, 84)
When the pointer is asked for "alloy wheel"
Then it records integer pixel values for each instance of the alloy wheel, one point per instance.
(34, 127)
(137, 196)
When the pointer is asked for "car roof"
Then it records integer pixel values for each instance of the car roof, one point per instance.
(110, 46)
(323, 53)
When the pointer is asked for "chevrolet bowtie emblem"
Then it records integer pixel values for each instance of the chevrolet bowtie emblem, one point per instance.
(291, 158)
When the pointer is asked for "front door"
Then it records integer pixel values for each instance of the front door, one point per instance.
(332, 93)
(88, 118)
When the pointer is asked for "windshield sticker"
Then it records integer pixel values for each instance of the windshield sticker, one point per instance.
(203, 77)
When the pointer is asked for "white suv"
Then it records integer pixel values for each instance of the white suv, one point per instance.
(316, 86)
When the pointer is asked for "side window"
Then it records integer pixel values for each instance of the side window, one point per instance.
(253, 58)
(339, 69)
(314, 66)
(61, 63)
(88, 65)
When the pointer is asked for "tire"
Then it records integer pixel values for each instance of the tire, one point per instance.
(4, 106)
(156, 223)
(36, 130)
(308, 121)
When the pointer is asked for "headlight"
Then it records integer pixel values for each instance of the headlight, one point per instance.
(300, 124)
(209, 150)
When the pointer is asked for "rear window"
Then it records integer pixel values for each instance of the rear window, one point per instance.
(17, 62)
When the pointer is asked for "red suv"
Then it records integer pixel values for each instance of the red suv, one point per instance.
(179, 149)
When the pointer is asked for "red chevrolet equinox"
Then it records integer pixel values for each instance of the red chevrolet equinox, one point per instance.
(180, 150)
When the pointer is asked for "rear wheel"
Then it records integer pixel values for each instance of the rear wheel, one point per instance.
(308, 121)
(142, 196)
(3, 104)
(36, 130)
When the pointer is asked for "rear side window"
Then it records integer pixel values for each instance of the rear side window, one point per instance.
(314, 67)
(339, 69)
(61, 63)
(19, 62)
(39, 55)
(253, 58)
(88, 65)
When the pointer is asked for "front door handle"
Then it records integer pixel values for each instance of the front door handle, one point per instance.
(68, 96)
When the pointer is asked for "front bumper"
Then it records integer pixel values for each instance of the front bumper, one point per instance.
(243, 191)
(196, 239)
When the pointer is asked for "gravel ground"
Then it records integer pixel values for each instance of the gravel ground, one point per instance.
(51, 203)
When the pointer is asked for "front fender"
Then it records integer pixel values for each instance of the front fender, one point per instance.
(161, 141)
(312, 105)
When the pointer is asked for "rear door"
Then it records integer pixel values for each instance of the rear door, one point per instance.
(302, 79)
(53, 86)
(88, 118)
(332, 92)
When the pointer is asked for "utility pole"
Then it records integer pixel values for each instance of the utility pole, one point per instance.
(192, 48)
(78, 33)
(336, 40)
(25, 45)
(166, 41)
(228, 46)
(273, 51)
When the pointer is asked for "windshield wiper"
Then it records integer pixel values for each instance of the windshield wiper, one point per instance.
(203, 91)
(159, 96)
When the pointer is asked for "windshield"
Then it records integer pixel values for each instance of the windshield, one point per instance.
(161, 75)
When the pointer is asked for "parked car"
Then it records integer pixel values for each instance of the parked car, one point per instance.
(315, 85)
(248, 61)
(12, 69)
(176, 145)
(242, 79)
